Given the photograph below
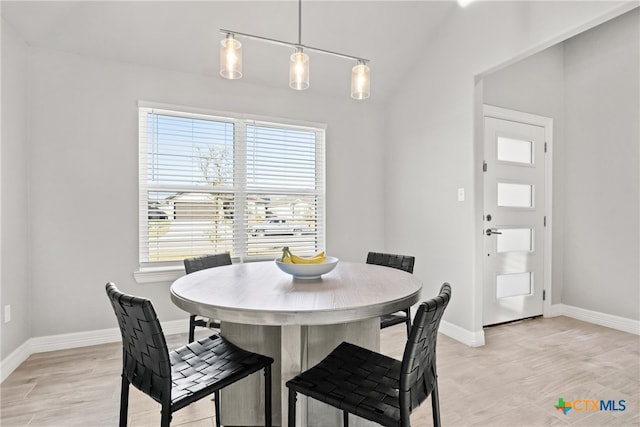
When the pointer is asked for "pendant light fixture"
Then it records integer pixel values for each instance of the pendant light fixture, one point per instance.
(230, 58)
(360, 82)
(231, 61)
(299, 70)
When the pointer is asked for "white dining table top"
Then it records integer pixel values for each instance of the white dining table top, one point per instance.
(261, 294)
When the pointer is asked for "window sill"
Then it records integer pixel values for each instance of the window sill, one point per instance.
(158, 274)
(168, 274)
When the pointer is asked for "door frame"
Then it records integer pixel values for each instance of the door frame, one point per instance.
(547, 124)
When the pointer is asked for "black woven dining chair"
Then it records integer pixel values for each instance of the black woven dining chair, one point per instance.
(374, 386)
(197, 264)
(178, 378)
(401, 262)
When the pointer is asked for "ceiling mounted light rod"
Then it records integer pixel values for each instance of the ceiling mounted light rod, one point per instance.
(293, 45)
(299, 22)
(231, 60)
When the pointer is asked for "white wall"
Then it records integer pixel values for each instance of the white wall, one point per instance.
(84, 183)
(601, 173)
(14, 277)
(430, 139)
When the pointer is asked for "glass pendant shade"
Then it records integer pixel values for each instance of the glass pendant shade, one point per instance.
(360, 81)
(230, 58)
(299, 70)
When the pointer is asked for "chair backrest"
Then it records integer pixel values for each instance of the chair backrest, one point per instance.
(145, 357)
(206, 261)
(418, 371)
(401, 262)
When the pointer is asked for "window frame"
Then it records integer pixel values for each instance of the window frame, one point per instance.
(155, 271)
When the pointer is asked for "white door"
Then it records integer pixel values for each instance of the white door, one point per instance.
(514, 220)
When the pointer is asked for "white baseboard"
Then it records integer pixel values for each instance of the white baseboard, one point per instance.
(602, 319)
(476, 339)
(15, 359)
(472, 339)
(73, 340)
(103, 336)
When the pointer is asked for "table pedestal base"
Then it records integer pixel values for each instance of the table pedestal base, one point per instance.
(294, 349)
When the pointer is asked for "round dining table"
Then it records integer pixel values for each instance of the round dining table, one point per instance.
(295, 321)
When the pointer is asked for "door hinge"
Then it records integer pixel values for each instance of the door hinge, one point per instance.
(544, 295)
(545, 220)
(545, 147)
(484, 166)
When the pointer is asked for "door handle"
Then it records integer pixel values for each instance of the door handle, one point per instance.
(491, 231)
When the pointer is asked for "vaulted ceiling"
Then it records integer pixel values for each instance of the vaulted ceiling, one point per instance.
(184, 35)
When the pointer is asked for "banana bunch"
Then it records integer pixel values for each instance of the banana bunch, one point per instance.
(289, 258)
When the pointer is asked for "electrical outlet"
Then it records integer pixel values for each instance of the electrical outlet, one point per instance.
(7, 313)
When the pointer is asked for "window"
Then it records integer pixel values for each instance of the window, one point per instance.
(215, 184)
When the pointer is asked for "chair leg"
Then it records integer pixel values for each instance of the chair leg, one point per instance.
(435, 404)
(292, 408)
(216, 404)
(408, 321)
(192, 327)
(124, 401)
(267, 395)
(165, 416)
(345, 419)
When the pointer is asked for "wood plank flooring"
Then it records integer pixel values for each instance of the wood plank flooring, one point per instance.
(514, 380)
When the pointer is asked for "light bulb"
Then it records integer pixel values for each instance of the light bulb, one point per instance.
(464, 3)
(360, 81)
(230, 58)
(299, 70)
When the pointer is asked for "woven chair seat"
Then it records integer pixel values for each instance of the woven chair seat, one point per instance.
(206, 323)
(392, 319)
(356, 380)
(209, 364)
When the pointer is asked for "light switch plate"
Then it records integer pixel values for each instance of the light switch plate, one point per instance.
(461, 194)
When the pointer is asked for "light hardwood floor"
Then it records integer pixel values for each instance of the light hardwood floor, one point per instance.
(514, 380)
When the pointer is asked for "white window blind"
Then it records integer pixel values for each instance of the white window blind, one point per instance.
(212, 184)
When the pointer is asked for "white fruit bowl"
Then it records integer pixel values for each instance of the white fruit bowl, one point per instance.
(308, 271)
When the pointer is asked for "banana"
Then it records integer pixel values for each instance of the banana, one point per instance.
(316, 259)
(288, 257)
